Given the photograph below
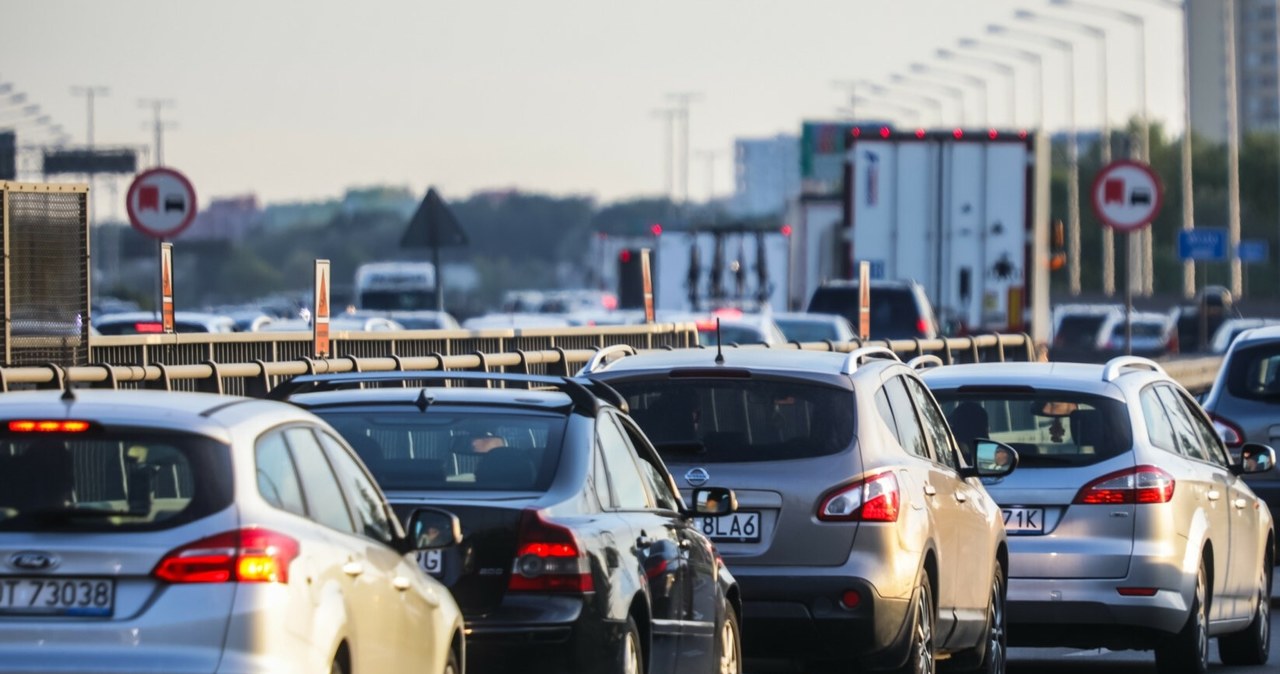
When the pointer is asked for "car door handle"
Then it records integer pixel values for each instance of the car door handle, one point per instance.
(401, 583)
(961, 497)
(1213, 494)
(929, 490)
(353, 568)
(1240, 504)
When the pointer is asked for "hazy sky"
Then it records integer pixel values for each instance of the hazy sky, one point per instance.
(299, 99)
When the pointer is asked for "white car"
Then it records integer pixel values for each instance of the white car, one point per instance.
(149, 531)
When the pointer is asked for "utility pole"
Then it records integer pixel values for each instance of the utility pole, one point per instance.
(710, 156)
(158, 125)
(668, 116)
(89, 92)
(682, 101)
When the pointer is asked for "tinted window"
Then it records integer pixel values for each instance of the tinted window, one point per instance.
(152, 480)
(1079, 331)
(325, 501)
(740, 420)
(1139, 330)
(453, 451)
(628, 484)
(1184, 433)
(1209, 438)
(1048, 428)
(910, 436)
(894, 313)
(935, 425)
(1254, 372)
(1159, 427)
(370, 513)
(277, 478)
(813, 331)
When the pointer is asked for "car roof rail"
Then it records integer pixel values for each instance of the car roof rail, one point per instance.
(1120, 364)
(584, 394)
(859, 356)
(925, 362)
(599, 358)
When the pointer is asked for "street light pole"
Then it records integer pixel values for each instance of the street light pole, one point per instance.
(978, 82)
(991, 64)
(907, 110)
(158, 126)
(955, 92)
(1025, 55)
(1233, 149)
(682, 101)
(1073, 149)
(668, 117)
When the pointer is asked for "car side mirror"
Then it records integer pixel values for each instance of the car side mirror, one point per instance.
(1256, 458)
(433, 528)
(993, 459)
(714, 501)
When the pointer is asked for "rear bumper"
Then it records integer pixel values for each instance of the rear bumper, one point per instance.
(1088, 613)
(543, 633)
(800, 617)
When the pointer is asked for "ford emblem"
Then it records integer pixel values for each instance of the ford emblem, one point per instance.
(34, 561)
(697, 477)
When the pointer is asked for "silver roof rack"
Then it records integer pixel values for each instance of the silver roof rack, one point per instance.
(598, 358)
(859, 356)
(925, 362)
(1118, 365)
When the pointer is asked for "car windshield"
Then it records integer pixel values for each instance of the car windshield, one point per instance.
(1254, 372)
(110, 481)
(466, 451)
(738, 420)
(1050, 429)
(809, 331)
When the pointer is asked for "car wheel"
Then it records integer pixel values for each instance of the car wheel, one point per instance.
(729, 644)
(920, 656)
(337, 668)
(1252, 645)
(630, 655)
(1187, 652)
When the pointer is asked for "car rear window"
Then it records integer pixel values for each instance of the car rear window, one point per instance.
(894, 314)
(104, 481)
(1048, 428)
(1254, 372)
(1147, 330)
(1079, 330)
(808, 331)
(454, 451)
(740, 420)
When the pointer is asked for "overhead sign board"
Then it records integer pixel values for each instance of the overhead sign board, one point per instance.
(1203, 244)
(89, 161)
(161, 203)
(1126, 195)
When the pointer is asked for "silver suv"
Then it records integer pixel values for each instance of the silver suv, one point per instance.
(861, 536)
(1129, 524)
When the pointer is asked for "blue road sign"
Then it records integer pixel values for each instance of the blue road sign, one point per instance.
(1204, 244)
(1253, 251)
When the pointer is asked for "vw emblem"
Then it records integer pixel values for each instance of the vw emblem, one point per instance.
(34, 561)
(697, 477)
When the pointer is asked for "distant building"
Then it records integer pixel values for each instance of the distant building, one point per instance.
(1257, 93)
(766, 175)
(224, 219)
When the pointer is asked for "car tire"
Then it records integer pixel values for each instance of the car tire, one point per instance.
(1187, 652)
(630, 658)
(921, 657)
(729, 644)
(995, 652)
(337, 668)
(1252, 645)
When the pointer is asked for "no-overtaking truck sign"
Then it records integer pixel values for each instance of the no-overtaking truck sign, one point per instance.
(1127, 195)
(161, 203)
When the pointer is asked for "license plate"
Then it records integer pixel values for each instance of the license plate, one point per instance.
(431, 561)
(1024, 520)
(740, 527)
(57, 596)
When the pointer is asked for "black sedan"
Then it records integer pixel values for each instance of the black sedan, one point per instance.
(577, 552)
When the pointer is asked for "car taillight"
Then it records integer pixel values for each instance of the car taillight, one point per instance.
(248, 555)
(1228, 431)
(548, 558)
(874, 499)
(1174, 345)
(48, 426)
(922, 326)
(1143, 484)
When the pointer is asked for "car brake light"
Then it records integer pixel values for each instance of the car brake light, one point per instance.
(874, 499)
(922, 326)
(1228, 431)
(548, 558)
(1143, 484)
(148, 328)
(244, 556)
(48, 426)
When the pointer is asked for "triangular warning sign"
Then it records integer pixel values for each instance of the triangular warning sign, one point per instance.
(322, 308)
(166, 282)
(433, 225)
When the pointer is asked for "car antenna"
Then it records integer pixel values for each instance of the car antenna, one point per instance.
(424, 401)
(719, 350)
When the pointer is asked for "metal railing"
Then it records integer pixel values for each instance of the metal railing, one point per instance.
(248, 364)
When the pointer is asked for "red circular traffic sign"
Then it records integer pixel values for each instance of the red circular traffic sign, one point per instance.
(161, 203)
(1127, 195)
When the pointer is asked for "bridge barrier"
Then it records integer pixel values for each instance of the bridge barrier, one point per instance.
(253, 363)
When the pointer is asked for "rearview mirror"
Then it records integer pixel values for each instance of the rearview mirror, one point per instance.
(994, 459)
(1256, 458)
